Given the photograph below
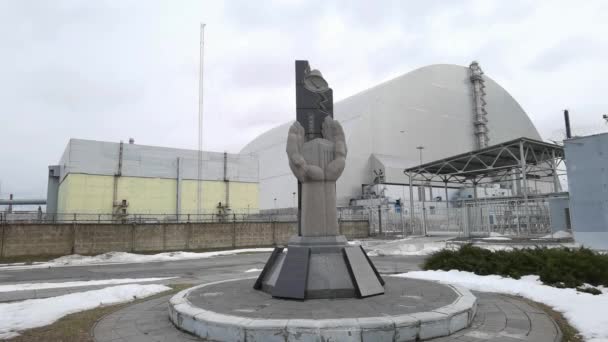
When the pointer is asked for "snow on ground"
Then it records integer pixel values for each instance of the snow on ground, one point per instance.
(431, 244)
(584, 311)
(44, 286)
(34, 313)
(496, 238)
(127, 258)
(253, 270)
(562, 234)
(408, 246)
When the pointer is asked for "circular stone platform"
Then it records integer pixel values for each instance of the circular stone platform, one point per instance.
(409, 310)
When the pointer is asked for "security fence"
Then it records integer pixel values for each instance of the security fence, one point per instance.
(514, 216)
(237, 215)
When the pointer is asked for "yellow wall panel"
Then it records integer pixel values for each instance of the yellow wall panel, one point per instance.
(244, 197)
(148, 195)
(212, 194)
(82, 193)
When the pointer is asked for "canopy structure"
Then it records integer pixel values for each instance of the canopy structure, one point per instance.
(523, 158)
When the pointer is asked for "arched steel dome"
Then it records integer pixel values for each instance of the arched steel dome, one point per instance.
(432, 106)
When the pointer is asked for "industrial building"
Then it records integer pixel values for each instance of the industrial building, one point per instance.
(586, 160)
(96, 177)
(430, 113)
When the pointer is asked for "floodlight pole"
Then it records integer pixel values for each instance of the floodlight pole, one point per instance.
(199, 174)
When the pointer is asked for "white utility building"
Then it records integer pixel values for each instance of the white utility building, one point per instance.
(447, 109)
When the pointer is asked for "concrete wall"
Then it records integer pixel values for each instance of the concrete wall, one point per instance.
(92, 194)
(559, 214)
(62, 239)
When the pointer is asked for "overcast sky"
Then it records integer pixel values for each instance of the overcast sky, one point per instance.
(110, 70)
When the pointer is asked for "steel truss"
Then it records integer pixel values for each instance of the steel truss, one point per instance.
(519, 159)
(532, 158)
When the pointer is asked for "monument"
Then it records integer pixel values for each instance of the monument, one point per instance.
(320, 288)
(318, 263)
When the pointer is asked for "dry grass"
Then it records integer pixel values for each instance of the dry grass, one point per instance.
(77, 327)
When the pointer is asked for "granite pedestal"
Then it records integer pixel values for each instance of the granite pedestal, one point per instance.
(409, 310)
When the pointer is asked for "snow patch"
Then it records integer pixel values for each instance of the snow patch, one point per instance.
(423, 248)
(562, 234)
(496, 238)
(253, 270)
(44, 286)
(35, 313)
(584, 311)
(128, 258)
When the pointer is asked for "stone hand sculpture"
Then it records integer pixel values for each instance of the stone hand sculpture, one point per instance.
(317, 164)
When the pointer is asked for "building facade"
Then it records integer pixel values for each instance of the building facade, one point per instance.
(586, 160)
(95, 177)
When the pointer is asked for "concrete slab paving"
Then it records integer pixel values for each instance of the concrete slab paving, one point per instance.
(151, 321)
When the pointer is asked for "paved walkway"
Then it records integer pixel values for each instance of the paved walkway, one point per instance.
(499, 318)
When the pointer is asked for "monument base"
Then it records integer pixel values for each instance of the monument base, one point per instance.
(410, 310)
(320, 267)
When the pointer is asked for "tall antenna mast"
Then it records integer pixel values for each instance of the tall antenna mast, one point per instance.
(199, 189)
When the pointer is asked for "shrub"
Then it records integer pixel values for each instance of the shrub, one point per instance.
(555, 266)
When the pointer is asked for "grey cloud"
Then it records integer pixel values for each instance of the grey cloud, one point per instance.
(109, 70)
(568, 51)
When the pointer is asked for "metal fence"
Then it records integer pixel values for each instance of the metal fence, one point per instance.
(464, 218)
(245, 215)
(515, 217)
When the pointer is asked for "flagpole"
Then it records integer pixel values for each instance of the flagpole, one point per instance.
(199, 189)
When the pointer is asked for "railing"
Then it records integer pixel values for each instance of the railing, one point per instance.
(92, 218)
(513, 217)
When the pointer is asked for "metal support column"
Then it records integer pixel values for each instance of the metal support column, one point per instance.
(475, 204)
(447, 204)
(557, 187)
(409, 175)
(178, 197)
(524, 177)
(423, 194)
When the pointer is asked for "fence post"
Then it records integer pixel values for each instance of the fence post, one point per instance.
(188, 232)
(234, 232)
(3, 237)
(274, 232)
(379, 220)
(73, 250)
(132, 237)
(164, 237)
